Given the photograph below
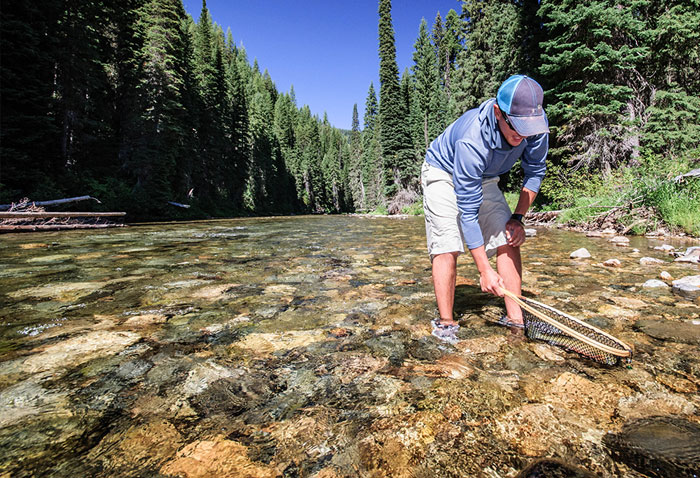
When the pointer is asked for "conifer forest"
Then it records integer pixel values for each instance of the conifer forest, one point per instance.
(139, 104)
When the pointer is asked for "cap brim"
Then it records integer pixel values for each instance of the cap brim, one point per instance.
(529, 125)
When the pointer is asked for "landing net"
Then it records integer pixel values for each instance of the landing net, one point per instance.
(553, 326)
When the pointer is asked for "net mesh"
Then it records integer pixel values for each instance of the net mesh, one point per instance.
(539, 329)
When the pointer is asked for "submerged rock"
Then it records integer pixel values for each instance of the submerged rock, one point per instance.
(648, 261)
(688, 286)
(655, 284)
(658, 446)
(612, 263)
(75, 351)
(216, 457)
(550, 468)
(692, 254)
(686, 332)
(129, 452)
(652, 403)
(580, 254)
(620, 240)
(663, 275)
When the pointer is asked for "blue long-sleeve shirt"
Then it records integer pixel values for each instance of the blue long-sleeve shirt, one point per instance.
(472, 149)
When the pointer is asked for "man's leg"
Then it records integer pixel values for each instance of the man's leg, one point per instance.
(444, 280)
(510, 269)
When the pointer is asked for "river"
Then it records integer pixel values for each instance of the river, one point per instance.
(301, 347)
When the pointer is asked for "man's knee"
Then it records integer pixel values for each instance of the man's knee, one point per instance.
(510, 251)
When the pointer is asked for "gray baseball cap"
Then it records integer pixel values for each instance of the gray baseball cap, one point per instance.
(520, 97)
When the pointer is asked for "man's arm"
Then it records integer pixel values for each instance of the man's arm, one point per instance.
(515, 231)
(489, 279)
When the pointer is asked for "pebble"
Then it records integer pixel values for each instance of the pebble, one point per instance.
(612, 263)
(665, 247)
(580, 254)
(665, 276)
(620, 240)
(647, 261)
(654, 284)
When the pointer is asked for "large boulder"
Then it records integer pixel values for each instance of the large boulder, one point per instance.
(692, 254)
(658, 446)
(688, 286)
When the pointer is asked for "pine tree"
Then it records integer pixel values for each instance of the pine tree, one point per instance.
(672, 119)
(27, 133)
(354, 164)
(590, 60)
(162, 125)
(493, 50)
(373, 177)
(429, 94)
(394, 135)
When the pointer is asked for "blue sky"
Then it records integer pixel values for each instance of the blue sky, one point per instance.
(327, 49)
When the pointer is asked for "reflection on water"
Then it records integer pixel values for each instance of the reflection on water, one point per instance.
(301, 347)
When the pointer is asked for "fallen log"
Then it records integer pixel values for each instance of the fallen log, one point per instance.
(542, 217)
(56, 227)
(173, 203)
(5, 207)
(32, 215)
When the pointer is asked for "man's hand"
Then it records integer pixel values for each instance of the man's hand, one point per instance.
(515, 233)
(491, 282)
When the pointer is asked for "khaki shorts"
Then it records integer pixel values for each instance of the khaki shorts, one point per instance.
(442, 217)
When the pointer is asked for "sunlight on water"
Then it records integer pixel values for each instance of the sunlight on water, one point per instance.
(301, 347)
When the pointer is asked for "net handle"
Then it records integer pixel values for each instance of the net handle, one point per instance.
(593, 343)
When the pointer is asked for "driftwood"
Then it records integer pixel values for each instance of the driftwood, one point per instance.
(31, 215)
(544, 217)
(689, 174)
(27, 215)
(7, 207)
(173, 203)
(55, 227)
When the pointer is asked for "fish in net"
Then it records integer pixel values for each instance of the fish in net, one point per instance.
(553, 326)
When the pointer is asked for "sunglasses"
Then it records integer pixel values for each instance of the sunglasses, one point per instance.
(505, 118)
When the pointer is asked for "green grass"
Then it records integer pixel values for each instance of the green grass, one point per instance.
(512, 199)
(644, 197)
(415, 209)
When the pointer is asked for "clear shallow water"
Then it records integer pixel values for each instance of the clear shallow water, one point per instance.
(301, 347)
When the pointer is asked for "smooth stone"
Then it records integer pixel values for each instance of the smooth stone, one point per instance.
(547, 352)
(688, 286)
(647, 404)
(580, 254)
(76, 351)
(612, 263)
(665, 247)
(691, 255)
(647, 261)
(658, 446)
(217, 457)
(654, 284)
(142, 446)
(620, 240)
(685, 332)
(665, 276)
(530, 232)
(549, 467)
(29, 399)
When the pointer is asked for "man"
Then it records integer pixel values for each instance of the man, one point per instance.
(463, 203)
